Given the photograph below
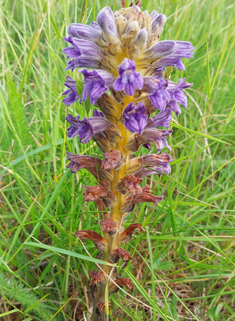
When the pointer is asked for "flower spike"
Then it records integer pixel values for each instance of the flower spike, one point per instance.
(123, 64)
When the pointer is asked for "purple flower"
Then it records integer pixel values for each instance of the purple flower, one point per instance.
(129, 79)
(182, 50)
(144, 172)
(71, 92)
(135, 118)
(177, 95)
(162, 119)
(87, 127)
(157, 136)
(97, 113)
(95, 83)
(77, 63)
(81, 31)
(159, 50)
(83, 52)
(160, 96)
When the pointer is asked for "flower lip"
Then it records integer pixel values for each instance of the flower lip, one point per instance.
(162, 119)
(135, 118)
(71, 92)
(87, 127)
(96, 82)
(128, 78)
(160, 96)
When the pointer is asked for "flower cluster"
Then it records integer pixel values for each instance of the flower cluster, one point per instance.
(126, 83)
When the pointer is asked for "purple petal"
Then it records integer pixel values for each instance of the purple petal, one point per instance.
(77, 63)
(174, 106)
(135, 118)
(160, 50)
(180, 97)
(129, 78)
(129, 89)
(118, 84)
(87, 127)
(82, 31)
(183, 50)
(141, 38)
(126, 65)
(154, 14)
(162, 119)
(88, 49)
(71, 92)
(160, 96)
(95, 83)
(97, 113)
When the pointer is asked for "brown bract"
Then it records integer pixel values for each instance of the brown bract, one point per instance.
(118, 254)
(102, 142)
(98, 240)
(129, 184)
(127, 234)
(109, 226)
(113, 159)
(94, 193)
(109, 106)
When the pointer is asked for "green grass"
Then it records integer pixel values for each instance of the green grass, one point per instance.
(183, 266)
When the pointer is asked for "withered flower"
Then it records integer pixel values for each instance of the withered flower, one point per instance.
(100, 307)
(127, 234)
(118, 254)
(94, 193)
(109, 226)
(112, 160)
(129, 183)
(121, 282)
(98, 240)
(96, 277)
(142, 197)
(92, 164)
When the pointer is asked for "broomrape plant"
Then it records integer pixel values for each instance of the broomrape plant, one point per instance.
(127, 81)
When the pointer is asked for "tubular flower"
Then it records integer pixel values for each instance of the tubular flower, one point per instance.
(126, 80)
